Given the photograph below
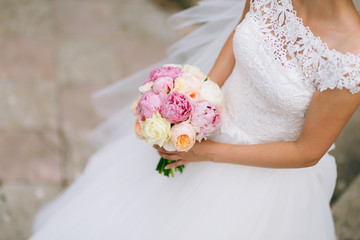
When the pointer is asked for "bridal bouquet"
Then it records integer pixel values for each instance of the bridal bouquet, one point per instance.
(178, 106)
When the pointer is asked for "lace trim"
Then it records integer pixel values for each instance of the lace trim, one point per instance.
(295, 46)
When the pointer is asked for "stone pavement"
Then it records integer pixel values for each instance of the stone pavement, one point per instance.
(54, 54)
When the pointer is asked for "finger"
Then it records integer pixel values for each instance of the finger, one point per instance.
(170, 157)
(157, 147)
(167, 152)
(175, 164)
(162, 150)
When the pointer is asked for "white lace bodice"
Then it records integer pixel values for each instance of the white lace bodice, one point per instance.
(279, 65)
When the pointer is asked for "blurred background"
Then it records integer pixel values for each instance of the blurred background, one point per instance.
(53, 55)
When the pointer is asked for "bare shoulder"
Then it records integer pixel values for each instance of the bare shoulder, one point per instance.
(356, 40)
(351, 42)
(351, 37)
(343, 34)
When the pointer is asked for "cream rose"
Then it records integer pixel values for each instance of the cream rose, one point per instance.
(156, 129)
(211, 92)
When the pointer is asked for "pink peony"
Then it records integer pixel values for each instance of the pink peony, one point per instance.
(148, 104)
(164, 71)
(206, 118)
(163, 84)
(176, 108)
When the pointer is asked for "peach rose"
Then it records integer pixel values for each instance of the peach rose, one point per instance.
(169, 146)
(194, 95)
(139, 128)
(183, 136)
(134, 105)
(187, 83)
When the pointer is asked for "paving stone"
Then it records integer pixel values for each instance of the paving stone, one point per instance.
(85, 19)
(30, 157)
(27, 59)
(18, 206)
(346, 212)
(26, 18)
(86, 61)
(347, 154)
(28, 105)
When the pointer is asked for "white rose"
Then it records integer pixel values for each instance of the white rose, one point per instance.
(156, 129)
(211, 92)
(194, 72)
(172, 65)
(146, 87)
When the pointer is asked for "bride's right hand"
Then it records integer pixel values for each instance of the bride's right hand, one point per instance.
(198, 153)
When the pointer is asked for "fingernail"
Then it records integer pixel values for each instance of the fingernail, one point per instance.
(166, 167)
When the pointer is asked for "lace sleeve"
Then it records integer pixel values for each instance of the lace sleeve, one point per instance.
(337, 71)
(295, 46)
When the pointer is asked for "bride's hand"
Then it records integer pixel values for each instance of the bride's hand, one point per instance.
(199, 152)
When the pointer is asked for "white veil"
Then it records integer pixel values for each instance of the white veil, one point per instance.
(217, 19)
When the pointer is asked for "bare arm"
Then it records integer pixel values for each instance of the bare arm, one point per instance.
(328, 113)
(225, 62)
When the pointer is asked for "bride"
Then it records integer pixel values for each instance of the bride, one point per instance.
(290, 74)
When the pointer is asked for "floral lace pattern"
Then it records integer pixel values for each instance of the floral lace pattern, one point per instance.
(295, 46)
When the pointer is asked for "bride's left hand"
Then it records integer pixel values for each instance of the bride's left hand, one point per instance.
(199, 152)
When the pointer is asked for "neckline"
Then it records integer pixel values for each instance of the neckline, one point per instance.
(317, 38)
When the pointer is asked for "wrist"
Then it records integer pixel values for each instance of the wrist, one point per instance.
(211, 151)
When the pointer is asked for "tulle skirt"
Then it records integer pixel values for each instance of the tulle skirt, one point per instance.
(121, 196)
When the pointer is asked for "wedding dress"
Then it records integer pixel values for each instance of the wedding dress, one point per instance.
(279, 66)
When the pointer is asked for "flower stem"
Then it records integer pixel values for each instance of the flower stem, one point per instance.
(167, 172)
